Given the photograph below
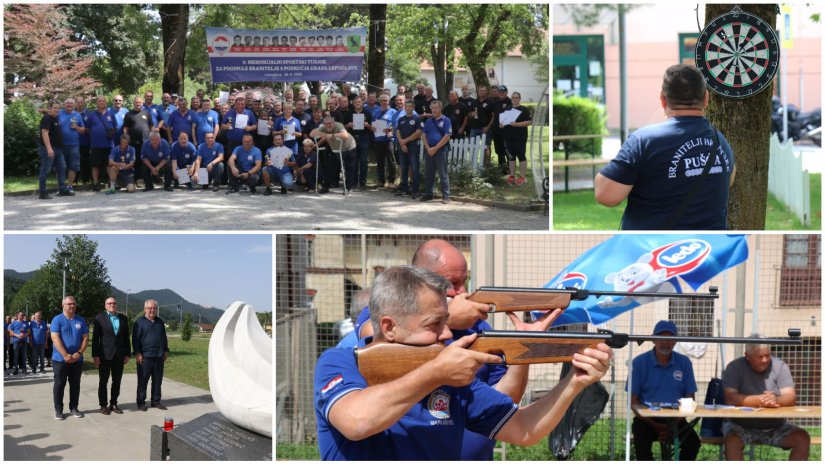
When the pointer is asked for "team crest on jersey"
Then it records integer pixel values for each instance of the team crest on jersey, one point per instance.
(439, 404)
(412, 121)
(77, 325)
(249, 157)
(143, 116)
(680, 257)
(440, 123)
(332, 384)
(186, 155)
(677, 375)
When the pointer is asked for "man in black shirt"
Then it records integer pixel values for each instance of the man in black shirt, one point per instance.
(138, 124)
(422, 107)
(420, 98)
(503, 104)
(150, 348)
(457, 113)
(481, 120)
(49, 147)
(465, 97)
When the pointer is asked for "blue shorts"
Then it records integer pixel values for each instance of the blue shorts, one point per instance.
(72, 155)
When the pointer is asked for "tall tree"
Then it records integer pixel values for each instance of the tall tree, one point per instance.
(124, 40)
(186, 328)
(174, 20)
(746, 124)
(376, 39)
(41, 59)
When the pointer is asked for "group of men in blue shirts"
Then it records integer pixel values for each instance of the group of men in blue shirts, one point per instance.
(27, 342)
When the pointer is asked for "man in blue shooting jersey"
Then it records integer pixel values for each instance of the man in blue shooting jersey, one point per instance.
(244, 166)
(71, 127)
(70, 337)
(155, 156)
(210, 156)
(183, 155)
(182, 120)
(437, 133)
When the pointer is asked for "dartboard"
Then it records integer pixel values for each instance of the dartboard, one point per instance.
(738, 53)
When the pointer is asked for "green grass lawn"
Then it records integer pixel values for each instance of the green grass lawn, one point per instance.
(186, 363)
(579, 211)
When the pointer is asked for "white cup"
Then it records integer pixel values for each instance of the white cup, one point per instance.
(687, 405)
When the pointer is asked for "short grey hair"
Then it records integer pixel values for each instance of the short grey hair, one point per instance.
(396, 292)
(149, 303)
(435, 103)
(154, 135)
(359, 300)
(753, 346)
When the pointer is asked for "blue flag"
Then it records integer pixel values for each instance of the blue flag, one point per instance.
(644, 263)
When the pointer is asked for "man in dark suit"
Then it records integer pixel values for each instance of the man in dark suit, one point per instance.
(111, 349)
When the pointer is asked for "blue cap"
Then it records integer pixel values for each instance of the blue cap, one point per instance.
(665, 326)
(363, 318)
(502, 88)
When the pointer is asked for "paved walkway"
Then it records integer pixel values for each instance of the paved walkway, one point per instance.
(207, 210)
(32, 434)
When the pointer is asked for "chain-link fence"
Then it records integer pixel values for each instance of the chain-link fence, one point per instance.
(778, 287)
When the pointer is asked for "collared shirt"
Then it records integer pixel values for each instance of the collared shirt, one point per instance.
(19, 327)
(71, 333)
(98, 124)
(246, 159)
(70, 135)
(119, 156)
(183, 154)
(436, 129)
(205, 122)
(207, 155)
(149, 338)
(655, 383)
(115, 321)
(181, 123)
(155, 155)
(234, 134)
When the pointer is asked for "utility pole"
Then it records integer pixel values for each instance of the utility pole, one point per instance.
(127, 302)
(65, 255)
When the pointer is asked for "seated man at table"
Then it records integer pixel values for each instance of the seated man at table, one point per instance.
(759, 380)
(662, 376)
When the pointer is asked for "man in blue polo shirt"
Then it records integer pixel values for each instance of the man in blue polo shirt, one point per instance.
(662, 376)
(155, 156)
(39, 332)
(234, 134)
(71, 127)
(19, 331)
(70, 337)
(101, 125)
(156, 111)
(151, 349)
(423, 415)
(210, 156)
(181, 120)
(119, 111)
(382, 143)
(183, 155)
(245, 165)
(437, 131)
(408, 129)
(206, 121)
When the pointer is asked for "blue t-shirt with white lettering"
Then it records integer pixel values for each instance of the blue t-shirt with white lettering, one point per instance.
(207, 155)
(655, 383)
(39, 330)
(205, 122)
(181, 123)
(430, 430)
(155, 155)
(71, 334)
(245, 160)
(184, 155)
(234, 134)
(70, 135)
(662, 162)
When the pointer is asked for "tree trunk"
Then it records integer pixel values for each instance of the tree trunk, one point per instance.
(477, 58)
(174, 20)
(438, 56)
(746, 124)
(449, 77)
(375, 44)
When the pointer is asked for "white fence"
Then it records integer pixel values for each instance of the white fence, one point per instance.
(788, 181)
(469, 151)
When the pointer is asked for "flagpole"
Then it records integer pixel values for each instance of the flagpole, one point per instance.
(755, 318)
(629, 410)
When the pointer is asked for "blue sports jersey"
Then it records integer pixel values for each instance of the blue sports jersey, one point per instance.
(98, 124)
(662, 162)
(429, 431)
(246, 159)
(296, 124)
(662, 384)
(436, 129)
(205, 122)
(207, 155)
(181, 123)
(39, 330)
(155, 155)
(407, 125)
(157, 113)
(236, 135)
(71, 334)
(19, 327)
(184, 155)
(123, 156)
(70, 136)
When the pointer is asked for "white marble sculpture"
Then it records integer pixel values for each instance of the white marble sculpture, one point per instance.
(240, 369)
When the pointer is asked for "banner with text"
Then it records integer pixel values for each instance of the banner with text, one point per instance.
(286, 55)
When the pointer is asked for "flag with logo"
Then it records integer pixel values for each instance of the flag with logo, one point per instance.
(644, 263)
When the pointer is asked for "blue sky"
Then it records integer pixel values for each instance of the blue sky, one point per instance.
(207, 269)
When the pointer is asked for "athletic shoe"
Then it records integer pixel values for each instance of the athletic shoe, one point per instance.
(511, 180)
(44, 196)
(446, 200)
(77, 413)
(283, 190)
(427, 197)
(268, 191)
(65, 193)
(110, 191)
(521, 181)
(58, 415)
(70, 189)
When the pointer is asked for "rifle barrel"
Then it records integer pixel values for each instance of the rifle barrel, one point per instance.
(619, 340)
(583, 294)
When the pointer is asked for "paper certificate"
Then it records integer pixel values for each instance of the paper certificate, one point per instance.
(290, 132)
(223, 98)
(279, 155)
(263, 127)
(378, 127)
(358, 121)
(203, 176)
(183, 176)
(241, 121)
(508, 117)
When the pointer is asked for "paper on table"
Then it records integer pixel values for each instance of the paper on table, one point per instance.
(290, 132)
(241, 121)
(279, 155)
(358, 121)
(378, 127)
(509, 117)
(183, 176)
(203, 176)
(263, 127)
(223, 98)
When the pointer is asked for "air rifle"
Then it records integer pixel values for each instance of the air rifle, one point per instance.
(384, 362)
(509, 299)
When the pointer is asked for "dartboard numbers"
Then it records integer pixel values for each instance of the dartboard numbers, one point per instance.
(738, 54)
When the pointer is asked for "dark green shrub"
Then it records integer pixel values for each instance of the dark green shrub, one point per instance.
(579, 116)
(21, 126)
(532, 108)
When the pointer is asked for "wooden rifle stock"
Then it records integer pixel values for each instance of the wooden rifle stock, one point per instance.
(385, 362)
(509, 299)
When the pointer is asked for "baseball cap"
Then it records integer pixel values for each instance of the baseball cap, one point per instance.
(363, 318)
(665, 326)
(502, 88)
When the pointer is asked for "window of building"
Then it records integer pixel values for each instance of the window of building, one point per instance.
(692, 316)
(800, 277)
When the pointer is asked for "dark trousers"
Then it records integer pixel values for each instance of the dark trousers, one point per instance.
(37, 357)
(329, 168)
(138, 160)
(165, 171)
(362, 155)
(85, 164)
(645, 435)
(433, 164)
(230, 146)
(386, 162)
(67, 372)
(251, 181)
(8, 353)
(20, 358)
(501, 149)
(151, 368)
(410, 160)
(115, 367)
(350, 168)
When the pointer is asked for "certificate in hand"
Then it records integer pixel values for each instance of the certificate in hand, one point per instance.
(203, 176)
(223, 98)
(241, 121)
(509, 117)
(183, 176)
(358, 121)
(263, 127)
(279, 155)
(290, 132)
(378, 127)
